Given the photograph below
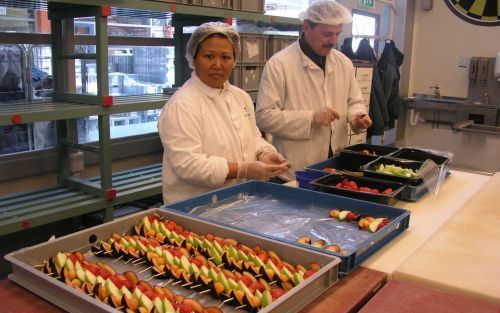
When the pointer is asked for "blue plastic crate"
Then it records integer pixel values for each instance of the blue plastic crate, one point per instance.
(301, 198)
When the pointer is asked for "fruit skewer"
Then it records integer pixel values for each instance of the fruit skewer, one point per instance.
(121, 291)
(364, 222)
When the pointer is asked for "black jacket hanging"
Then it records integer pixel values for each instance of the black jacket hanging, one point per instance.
(346, 48)
(378, 107)
(388, 67)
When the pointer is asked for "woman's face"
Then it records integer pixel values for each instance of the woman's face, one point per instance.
(214, 61)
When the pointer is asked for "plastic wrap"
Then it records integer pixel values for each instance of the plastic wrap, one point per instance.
(439, 172)
(283, 219)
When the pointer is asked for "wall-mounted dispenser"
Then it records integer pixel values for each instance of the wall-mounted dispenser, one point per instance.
(473, 68)
(482, 71)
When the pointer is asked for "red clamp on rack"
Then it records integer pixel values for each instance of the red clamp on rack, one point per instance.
(105, 10)
(16, 119)
(273, 19)
(229, 20)
(111, 194)
(25, 224)
(107, 101)
(173, 8)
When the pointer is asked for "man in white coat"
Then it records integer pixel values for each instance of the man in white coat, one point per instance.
(308, 91)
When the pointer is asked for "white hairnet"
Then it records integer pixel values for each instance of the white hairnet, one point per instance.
(207, 29)
(326, 12)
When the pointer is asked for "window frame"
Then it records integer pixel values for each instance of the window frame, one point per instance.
(29, 163)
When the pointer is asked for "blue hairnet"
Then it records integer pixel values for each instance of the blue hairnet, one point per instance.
(326, 12)
(207, 29)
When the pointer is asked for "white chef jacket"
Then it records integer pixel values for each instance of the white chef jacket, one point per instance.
(292, 87)
(201, 129)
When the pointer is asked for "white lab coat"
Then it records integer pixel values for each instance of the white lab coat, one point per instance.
(201, 129)
(292, 87)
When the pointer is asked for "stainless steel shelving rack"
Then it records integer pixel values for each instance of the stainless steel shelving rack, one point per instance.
(77, 196)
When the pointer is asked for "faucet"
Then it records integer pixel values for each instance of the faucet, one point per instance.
(437, 91)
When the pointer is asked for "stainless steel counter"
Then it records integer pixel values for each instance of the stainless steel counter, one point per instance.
(473, 151)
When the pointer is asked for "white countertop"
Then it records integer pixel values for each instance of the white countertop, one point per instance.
(428, 215)
(463, 256)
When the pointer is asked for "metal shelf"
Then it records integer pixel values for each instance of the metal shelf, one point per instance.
(160, 6)
(21, 113)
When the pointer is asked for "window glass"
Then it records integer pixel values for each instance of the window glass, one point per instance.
(363, 25)
(32, 19)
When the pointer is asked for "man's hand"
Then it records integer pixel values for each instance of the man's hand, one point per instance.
(361, 121)
(324, 116)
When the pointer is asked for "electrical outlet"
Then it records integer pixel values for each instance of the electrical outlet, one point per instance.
(462, 62)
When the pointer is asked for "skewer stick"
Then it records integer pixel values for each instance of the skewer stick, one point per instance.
(210, 259)
(195, 286)
(204, 291)
(139, 263)
(258, 275)
(273, 282)
(147, 268)
(220, 265)
(136, 260)
(116, 260)
(166, 283)
(97, 253)
(187, 284)
(240, 307)
(40, 265)
(119, 308)
(177, 282)
(227, 300)
(129, 260)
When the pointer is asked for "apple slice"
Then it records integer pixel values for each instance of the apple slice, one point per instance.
(342, 215)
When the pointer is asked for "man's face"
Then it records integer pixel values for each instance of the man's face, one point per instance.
(323, 37)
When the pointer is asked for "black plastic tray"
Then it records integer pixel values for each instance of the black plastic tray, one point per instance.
(327, 184)
(347, 161)
(375, 150)
(420, 155)
(369, 170)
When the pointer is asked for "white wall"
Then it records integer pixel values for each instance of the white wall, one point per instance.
(440, 38)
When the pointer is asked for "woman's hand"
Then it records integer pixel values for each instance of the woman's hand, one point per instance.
(260, 170)
(272, 157)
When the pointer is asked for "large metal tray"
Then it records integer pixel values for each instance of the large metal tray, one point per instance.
(72, 300)
(300, 198)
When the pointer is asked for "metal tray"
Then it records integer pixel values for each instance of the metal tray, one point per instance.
(300, 199)
(327, 184)
(72, 300)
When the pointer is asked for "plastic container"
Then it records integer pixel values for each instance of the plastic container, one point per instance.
(247, 75)
(276, 43)
(69, 299)
(300, 199)
(327, 184)
(253, 47)
(305, 177)
(250, 6)
(420, 155)
(349, 162)
(375, 150)
(417, 166)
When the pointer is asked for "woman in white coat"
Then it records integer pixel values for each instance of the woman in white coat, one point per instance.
(208, 129)
(308, 92)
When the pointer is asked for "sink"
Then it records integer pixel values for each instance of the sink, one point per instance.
(432, 98)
